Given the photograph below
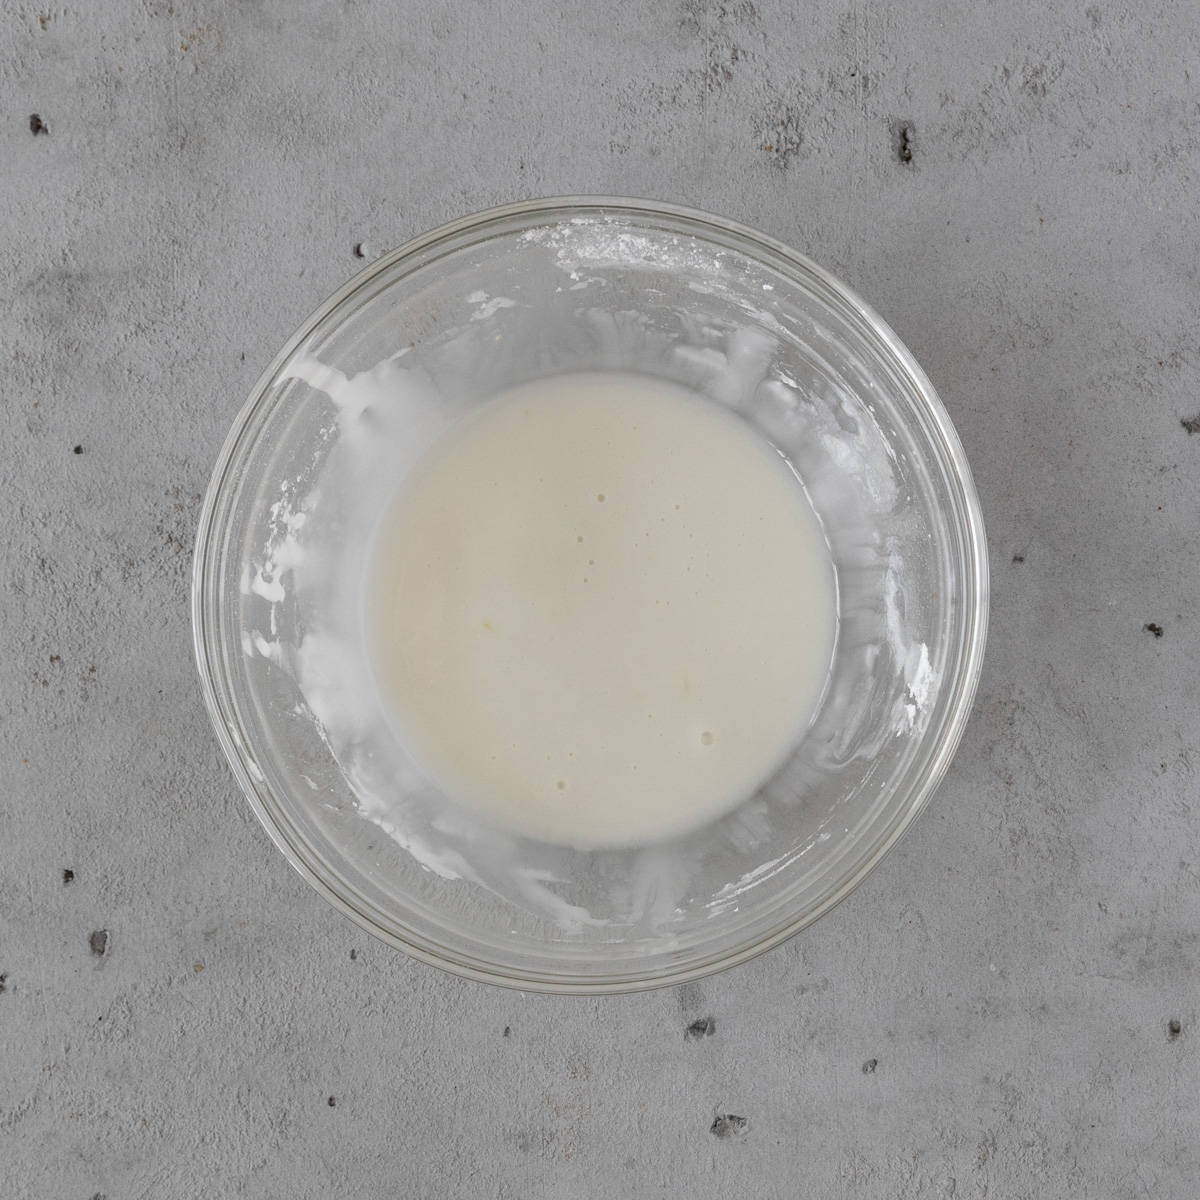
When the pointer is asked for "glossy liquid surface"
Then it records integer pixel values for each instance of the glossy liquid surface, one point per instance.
(601, 610)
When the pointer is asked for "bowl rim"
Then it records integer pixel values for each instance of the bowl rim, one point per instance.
(302, 857)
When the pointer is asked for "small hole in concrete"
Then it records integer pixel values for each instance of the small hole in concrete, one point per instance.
(904, 141)
(728, 1125)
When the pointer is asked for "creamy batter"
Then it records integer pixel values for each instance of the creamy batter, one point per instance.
(600, 609)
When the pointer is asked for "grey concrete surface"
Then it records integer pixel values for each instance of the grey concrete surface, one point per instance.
(1008, 1007)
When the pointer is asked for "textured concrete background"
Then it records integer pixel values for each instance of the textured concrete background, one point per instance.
(1009, 1006)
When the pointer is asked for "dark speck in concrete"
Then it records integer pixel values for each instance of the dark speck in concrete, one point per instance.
(704, 1027)
(1018, 558)
(1191, 424)
(359, 252)
(37, 125)
(353, 955)
(1157, 630)
(904, 140)
(507, 1031)
(1174, 1025)
(331, 1102)
(77, 450)
(3, 984)
(68, 875)
(99, 942)
(728, 1125)
(870, 1065)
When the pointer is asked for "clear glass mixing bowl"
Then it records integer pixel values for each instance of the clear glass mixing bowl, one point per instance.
(570, 285)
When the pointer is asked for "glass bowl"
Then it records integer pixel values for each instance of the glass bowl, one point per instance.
(483, 304)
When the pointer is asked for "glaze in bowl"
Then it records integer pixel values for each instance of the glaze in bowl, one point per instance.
(449, 319)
